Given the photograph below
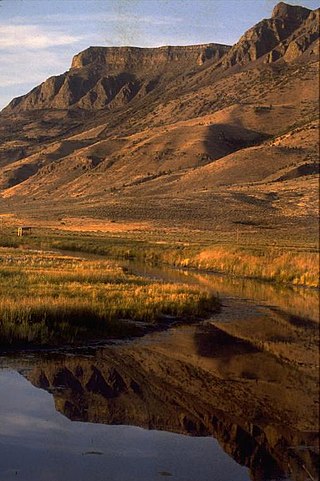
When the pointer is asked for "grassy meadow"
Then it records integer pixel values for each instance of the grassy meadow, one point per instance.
(271, 264)
(285, 263)
(48, 298)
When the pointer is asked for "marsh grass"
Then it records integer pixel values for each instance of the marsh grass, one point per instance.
(276, 265)
(285, 264)
(281, 265)
(49, 298)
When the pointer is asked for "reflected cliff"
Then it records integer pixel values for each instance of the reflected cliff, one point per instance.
(247, 377)
(258, 402)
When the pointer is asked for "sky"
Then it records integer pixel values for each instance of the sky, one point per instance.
(38, 38)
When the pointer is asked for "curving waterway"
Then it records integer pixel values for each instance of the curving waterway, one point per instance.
(234, 398)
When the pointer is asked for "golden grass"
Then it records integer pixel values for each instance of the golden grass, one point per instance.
(285, 263)
(298, 268)
(49, 297)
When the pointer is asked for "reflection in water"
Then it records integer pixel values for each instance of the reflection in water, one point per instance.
(39, 444)
(201, 381)
(247, 377)
(295, 300)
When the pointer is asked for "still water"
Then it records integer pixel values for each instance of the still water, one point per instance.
(39, 443)
(231, 399)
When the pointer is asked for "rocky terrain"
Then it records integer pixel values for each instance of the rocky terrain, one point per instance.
(190, 136)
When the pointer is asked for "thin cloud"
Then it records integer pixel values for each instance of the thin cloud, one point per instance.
(101, 18)
(15, 425)
(33, 37)
(37, 51)
(12, 65)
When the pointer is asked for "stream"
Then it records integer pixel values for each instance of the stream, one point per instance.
(233, 398)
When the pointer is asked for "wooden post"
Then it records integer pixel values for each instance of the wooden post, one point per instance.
(24, 230)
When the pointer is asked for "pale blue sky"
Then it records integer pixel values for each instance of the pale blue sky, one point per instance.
(39, 37)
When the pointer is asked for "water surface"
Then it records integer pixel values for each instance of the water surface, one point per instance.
(234, 398)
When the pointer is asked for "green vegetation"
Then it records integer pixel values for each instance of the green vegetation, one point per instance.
(47, 298)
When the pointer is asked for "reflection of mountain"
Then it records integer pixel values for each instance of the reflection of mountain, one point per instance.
(263, 423)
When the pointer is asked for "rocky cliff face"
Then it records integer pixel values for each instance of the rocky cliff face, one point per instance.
(304, 39)
(293, 13)
(112, 76)
(135, 59)
(271, 38)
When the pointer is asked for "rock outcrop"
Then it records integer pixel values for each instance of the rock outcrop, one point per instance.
(291, 28)
(136, 59)
(293, 13)
(110, 77)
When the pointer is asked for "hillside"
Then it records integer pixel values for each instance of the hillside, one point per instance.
(178, 136)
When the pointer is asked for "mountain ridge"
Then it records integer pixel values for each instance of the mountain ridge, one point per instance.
(170, 132)
(109, 71)
(117, 71)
